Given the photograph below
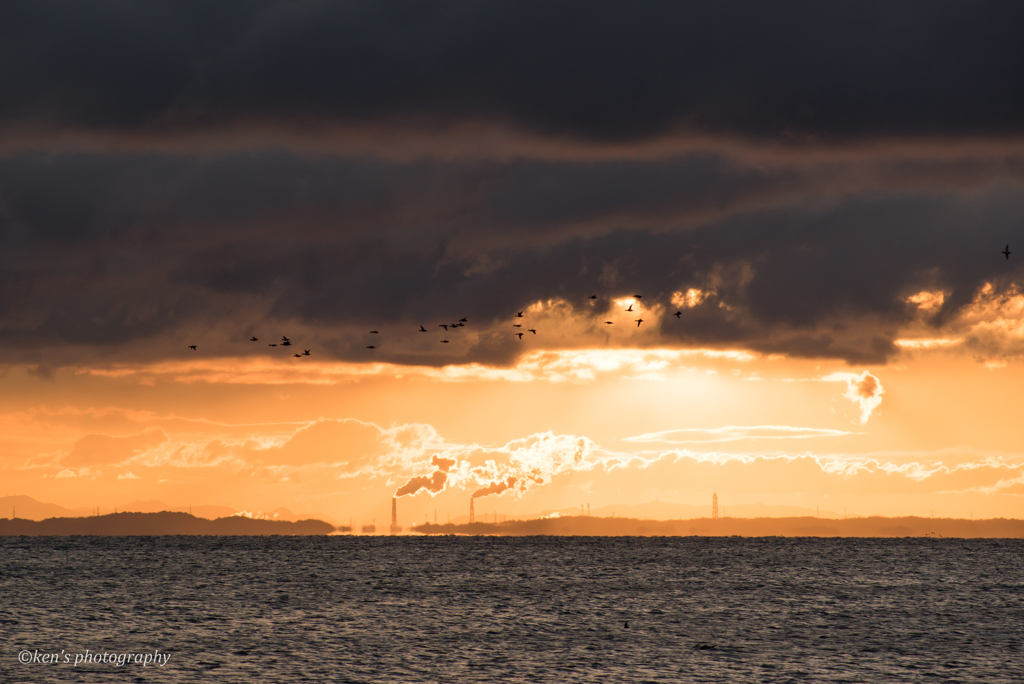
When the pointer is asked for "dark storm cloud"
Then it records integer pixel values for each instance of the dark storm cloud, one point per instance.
(590, 70)
(141, 244)
(108, 251)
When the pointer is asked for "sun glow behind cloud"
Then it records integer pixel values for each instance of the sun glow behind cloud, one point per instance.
(545, 365)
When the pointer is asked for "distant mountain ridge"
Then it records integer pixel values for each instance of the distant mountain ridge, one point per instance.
(27, 508)
(159, 524)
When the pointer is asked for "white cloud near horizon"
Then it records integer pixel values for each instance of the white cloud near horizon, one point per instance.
(735, 433)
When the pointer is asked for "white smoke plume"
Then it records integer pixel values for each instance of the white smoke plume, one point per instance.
(863, 389)
(433, 483)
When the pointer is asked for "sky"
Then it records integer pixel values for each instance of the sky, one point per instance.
(757, 249)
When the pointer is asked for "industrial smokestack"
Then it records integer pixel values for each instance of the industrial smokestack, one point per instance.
(472, 515)
(395, 529)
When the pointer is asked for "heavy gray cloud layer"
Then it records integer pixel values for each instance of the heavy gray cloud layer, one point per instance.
(840, 157)
(594, 70)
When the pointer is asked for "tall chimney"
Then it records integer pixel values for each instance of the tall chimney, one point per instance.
(472, 515)
(395, 529)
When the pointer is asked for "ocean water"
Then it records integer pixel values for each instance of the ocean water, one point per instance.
(485, 609)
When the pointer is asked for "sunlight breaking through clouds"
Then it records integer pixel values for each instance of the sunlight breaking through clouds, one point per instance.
(578, 365)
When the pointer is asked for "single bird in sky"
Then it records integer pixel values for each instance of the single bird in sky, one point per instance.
(298, 356)
(630, 308)
(519, 315)
(592, 297)
(422, 329)
(374, 332)
(192, 347)
(443, 325)
(463, 320)
(532, 330)
(639, 321)
(305, 352)
(1006, 251)
(371, 347)
(517, 325)
(284, 339)
(254, 339)
(444, 341)
(639, 296)
(678, 314)
(271, 345)
(608, 323)
(520, 335)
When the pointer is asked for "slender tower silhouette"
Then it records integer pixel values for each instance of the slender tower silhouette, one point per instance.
(714, 506)
(395, 529)
(472, 515)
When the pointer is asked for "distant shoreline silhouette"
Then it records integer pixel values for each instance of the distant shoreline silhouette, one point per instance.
(159, 524)
(808, 526)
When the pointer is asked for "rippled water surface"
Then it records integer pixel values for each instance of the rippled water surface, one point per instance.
(293, 609)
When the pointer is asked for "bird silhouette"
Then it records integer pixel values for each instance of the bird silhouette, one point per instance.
(630, 308)
(639, 296)
(284, 339)
(192, 347)
(422, 329)
(374, 332)
(519, 315)
(254, 339)
(520, 335)
(371, 347)
(592, 297)
(463, 320)
(305, 352)
(443, 325)
(532, 330)
(462, 325)
(678, 314)
(639, 321)
(271, 345)
(444, 341)
(517, 325)
(297, 355)
(1006, 251)
(608, 323)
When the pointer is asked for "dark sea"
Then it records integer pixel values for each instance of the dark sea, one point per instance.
(501, 609)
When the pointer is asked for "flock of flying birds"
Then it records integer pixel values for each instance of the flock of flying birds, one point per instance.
(285, 342)
(462, 322)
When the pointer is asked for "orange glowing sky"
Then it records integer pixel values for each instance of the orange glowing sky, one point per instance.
(927, 431)
(828, 320)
